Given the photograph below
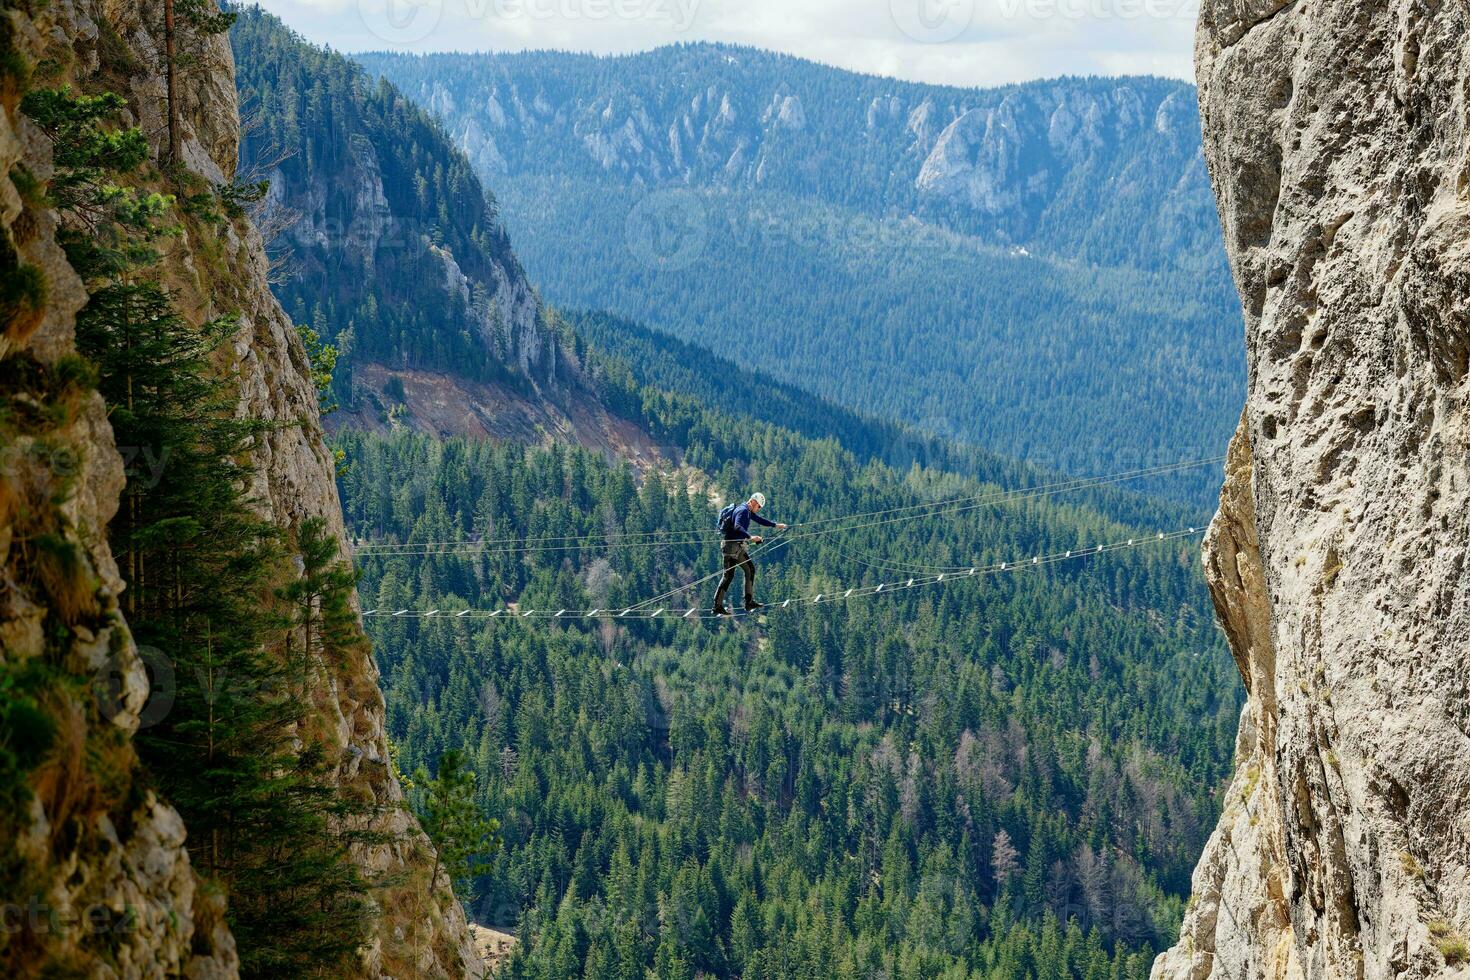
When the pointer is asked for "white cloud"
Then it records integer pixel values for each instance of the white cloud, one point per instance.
(958, 42)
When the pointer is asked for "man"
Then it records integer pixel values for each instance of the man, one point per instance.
(735, 526)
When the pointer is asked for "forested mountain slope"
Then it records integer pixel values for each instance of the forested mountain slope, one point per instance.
(1035, 270)
(1001, 779)
(1073, 166)
(636, 367)
(387, 245)
(385, 239)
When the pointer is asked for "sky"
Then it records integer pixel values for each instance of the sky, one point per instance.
(953, 42)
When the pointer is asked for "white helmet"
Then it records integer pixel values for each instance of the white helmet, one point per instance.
(759, 499)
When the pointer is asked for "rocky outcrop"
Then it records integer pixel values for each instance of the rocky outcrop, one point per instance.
(1016, 155)
(1338, 137)
(109, 876)
(385, 238)
(506, 313)
(331, 236)
(1024, 164)
(103, 863)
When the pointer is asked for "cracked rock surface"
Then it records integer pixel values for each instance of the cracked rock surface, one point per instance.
(126, 859)
(1338, 141)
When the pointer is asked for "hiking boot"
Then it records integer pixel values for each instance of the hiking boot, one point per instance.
(721, 611)
(752, 606)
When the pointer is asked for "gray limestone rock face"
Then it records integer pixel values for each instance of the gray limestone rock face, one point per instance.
(1338, 141)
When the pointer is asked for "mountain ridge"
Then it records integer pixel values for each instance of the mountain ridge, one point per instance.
(913, 118)
(819, 245)
(392, 370)
(725, 47)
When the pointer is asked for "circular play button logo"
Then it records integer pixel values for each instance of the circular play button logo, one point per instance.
(933, 21)
(668, 230)
(401, 22)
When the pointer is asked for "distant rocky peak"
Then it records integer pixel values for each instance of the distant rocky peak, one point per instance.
(985, 162)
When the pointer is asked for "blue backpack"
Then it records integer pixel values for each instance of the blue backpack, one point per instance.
(727, 520)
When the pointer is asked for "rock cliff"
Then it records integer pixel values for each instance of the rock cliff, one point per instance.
(100, 868)
(1030, 164)
(98, 844)
(366, 188)
(1339, 143)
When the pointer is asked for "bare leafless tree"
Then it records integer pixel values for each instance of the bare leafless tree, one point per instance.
(273, 220)
(265, 158)
(268, 212)
(1005, 860)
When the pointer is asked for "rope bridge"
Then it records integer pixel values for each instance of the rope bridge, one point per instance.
(668, 606)
(642, 611)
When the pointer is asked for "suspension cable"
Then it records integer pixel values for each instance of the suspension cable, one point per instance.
(663, 538)
(835, 596)
(963, 505)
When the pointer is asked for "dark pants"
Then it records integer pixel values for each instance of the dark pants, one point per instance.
(736, 558)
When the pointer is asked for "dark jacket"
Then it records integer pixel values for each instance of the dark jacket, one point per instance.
(740, 523)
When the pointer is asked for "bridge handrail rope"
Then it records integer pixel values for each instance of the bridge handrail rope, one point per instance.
(652, 539)
(869, 560)
(765, 548)
(960, 507)
(832, 597)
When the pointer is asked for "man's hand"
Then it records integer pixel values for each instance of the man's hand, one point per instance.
(783, 527)
(756, 538)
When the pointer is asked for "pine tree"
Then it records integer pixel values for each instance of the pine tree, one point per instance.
(324, 621)
(266, 821)
(465, 840)
(775, 835)
(200, 564)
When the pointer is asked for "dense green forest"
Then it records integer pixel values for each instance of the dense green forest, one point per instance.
(1011, 778)
(1089, 325)
(1006, 778)
(365, 188)
(1068, 366)
(634, 365)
